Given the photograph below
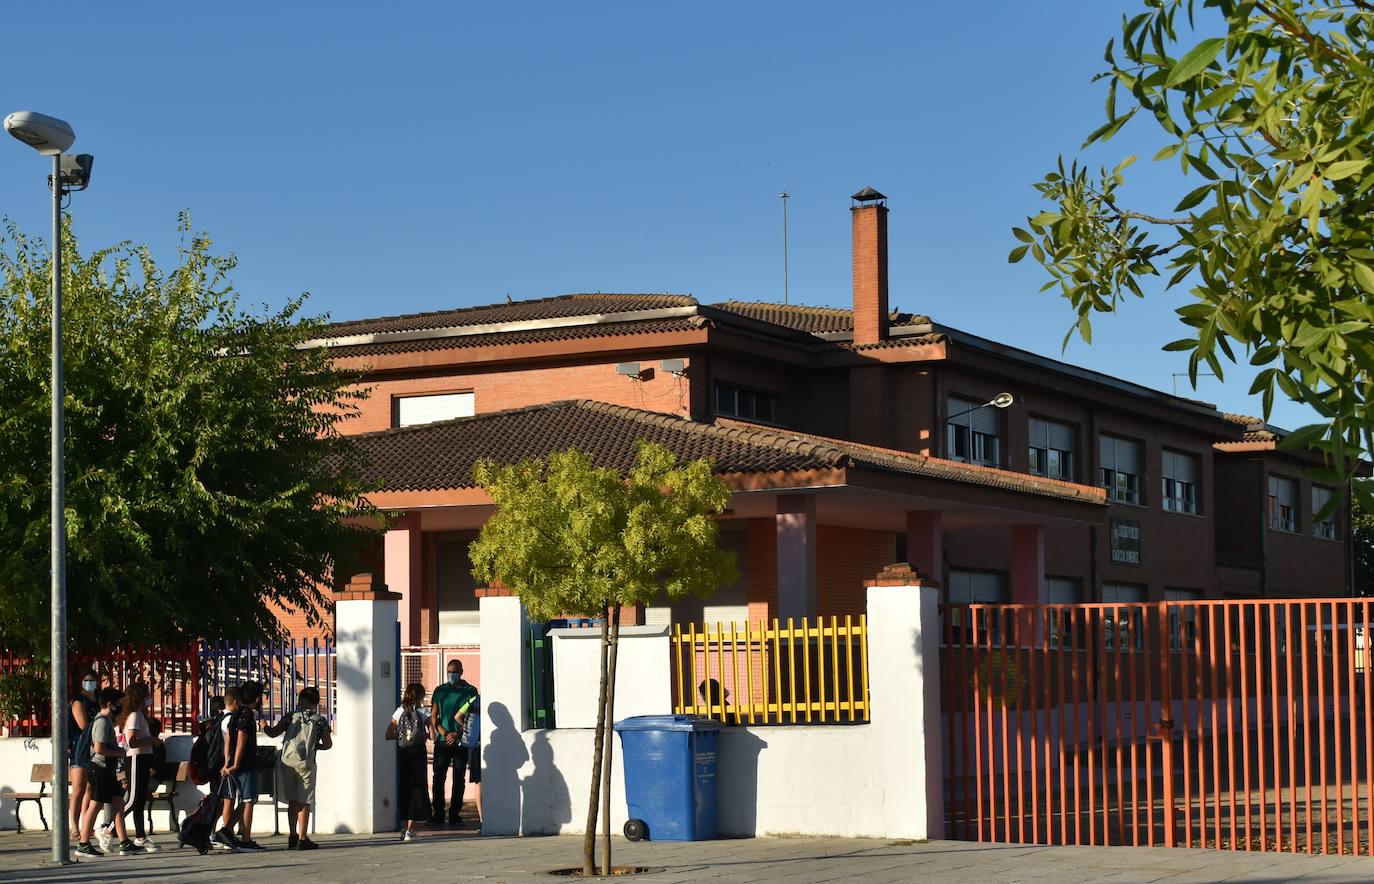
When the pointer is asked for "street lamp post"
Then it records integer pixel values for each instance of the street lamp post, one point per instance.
(1001, 400)
(50, 136)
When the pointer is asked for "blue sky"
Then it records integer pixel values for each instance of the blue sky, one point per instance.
(423, 156)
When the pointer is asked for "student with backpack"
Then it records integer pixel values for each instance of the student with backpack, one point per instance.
(239, 787)
(137, 740)
(410, 729)
(82, 711)
(99, 748)
(306, 731)
(207, 752)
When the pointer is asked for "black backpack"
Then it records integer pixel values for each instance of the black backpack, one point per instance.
(207, 752)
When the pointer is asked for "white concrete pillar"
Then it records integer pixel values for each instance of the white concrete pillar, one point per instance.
(796, 525)
(357, 778)
(904, 688)
(403, 558)
(505, 705)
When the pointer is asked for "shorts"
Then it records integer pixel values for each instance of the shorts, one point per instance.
(473, 759)
(104, 784)
(295, 785)
(240, 787)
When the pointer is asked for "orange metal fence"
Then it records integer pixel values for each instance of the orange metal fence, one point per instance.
(1241, 725)
(811, 672)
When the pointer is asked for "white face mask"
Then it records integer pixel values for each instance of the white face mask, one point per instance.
(89, 685)
(148, 703)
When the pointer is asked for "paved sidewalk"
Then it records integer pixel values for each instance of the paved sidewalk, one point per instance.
(459, 857)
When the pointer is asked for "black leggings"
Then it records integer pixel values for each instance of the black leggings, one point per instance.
(140, 768)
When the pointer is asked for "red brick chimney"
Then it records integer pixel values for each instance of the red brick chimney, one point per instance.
(870, 266)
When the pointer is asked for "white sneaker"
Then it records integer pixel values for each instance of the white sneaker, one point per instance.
(147, 845)
(105, 835)
(409, 835)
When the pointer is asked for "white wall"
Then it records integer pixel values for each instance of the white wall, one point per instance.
(838, 780)
(643, 683)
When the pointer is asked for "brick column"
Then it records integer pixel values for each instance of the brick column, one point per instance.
(925, 543)
(796, 527)
(1028, 565)
(403, 557)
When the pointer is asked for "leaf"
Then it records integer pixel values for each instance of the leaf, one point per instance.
(1343, 169)
(1194, 197)
(1017, 254)
(1195, 61)
(1364, 276)
(1023, 235)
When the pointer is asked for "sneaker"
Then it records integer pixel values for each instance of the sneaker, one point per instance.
(250, 844)
(409, 835)
(307, 844)
(147, 845)
(105, 835)
(293, 842)
(127, 848)
(86, 850)
(223, 841)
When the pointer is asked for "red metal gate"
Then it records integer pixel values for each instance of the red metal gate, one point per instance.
(1242, 725)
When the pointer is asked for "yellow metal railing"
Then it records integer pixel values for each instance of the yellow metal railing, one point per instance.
(749, 673)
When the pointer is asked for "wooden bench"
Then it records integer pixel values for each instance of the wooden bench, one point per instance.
(170, 776)
(42, 775)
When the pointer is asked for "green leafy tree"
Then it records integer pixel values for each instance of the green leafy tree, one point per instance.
(574, 539)
(206, 482)
(1271, 114)
(1362, 539)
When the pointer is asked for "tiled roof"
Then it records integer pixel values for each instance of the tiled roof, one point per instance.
(441, 455)
(897, 342)
(1256, 430)
(813, 320)
(557, 307)
(529, 336)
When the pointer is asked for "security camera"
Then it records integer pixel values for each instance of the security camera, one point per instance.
(47, 135)
(76, 171)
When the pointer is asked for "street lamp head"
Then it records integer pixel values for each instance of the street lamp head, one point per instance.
(47, 135)
(76, 171)
(1002, 400)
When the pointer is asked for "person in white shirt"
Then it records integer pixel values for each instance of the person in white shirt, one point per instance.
(137, 740)
(410, 728)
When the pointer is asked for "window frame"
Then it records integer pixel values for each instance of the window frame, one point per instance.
(975, 442)
(1067, 473)
(1277, 522)
(756, 396)
(1169, 484)
(1122, 487)
(397, 398)
(1332, 522)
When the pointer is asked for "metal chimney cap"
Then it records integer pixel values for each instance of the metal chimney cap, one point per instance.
(868, 194)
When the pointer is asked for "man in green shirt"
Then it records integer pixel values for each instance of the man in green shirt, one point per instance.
(452, 703)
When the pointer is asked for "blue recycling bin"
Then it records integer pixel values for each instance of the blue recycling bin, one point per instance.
(670, 776)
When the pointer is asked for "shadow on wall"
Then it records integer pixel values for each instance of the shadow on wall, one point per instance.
(505, 755)
(354, 673)
(737, 781)
(545, 805)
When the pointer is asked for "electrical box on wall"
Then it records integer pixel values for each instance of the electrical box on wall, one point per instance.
(629, 369)
(674, 366)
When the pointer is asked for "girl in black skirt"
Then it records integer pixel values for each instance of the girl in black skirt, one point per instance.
(410, 728)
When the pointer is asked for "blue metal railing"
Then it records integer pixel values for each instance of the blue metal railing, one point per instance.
(283, 667)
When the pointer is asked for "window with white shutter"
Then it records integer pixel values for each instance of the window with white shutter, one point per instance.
(426, 409)
(1325, 528)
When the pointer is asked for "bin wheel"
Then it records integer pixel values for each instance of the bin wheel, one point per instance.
(636, 830)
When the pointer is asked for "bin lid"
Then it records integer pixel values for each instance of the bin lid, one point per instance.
(667, 723)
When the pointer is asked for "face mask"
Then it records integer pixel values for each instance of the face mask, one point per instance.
(89, 685)
(148, 703)
(454, 678)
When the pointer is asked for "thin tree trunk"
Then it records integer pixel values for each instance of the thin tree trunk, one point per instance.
(610, 748)
(589, 834)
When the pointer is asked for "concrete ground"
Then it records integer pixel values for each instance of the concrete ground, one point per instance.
(467, 857)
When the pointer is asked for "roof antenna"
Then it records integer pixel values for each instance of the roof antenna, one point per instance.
(783, 196)
(508, 298)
